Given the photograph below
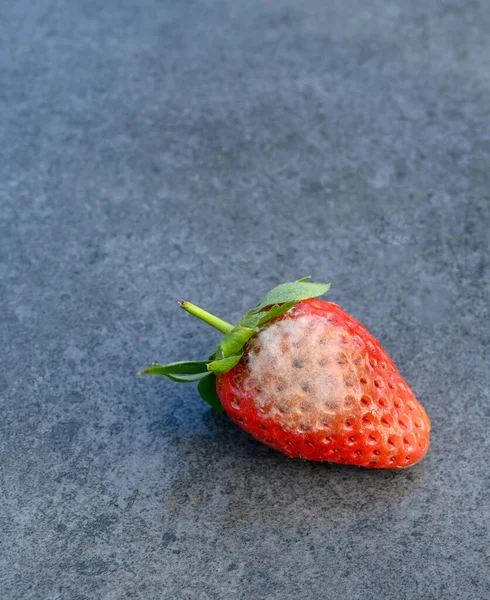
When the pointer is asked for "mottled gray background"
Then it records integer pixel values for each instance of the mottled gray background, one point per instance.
(153, 150)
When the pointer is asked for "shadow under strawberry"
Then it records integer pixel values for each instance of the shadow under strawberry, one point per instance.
(233, 480)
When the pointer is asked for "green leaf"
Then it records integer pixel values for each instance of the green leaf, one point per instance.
(184, 367)
(276, 311)
(207, 391)
(295, 291)
(229, 351)
(253, 320)
(234, 341)
(250, 320)
(225, 364)
(180, 371)
(186, 378)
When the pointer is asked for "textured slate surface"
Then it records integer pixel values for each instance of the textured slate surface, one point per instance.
(209, 149)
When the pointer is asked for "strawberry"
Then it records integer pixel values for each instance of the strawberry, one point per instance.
(304, 377)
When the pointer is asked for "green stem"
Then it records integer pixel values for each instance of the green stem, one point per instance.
(208, 318)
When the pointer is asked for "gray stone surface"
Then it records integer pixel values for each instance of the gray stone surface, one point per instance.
(154, 150)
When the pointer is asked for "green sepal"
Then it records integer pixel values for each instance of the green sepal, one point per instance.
(295, 291)
(253, 320)
(276, 311)
(234, 341)
(207, 390)
(224, 365)
(250, 320)
(229, 351)
(182, 372)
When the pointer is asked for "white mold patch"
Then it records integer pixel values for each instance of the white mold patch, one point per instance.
(301, 373)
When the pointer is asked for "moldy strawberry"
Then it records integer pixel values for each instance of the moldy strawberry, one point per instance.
(304, 377)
